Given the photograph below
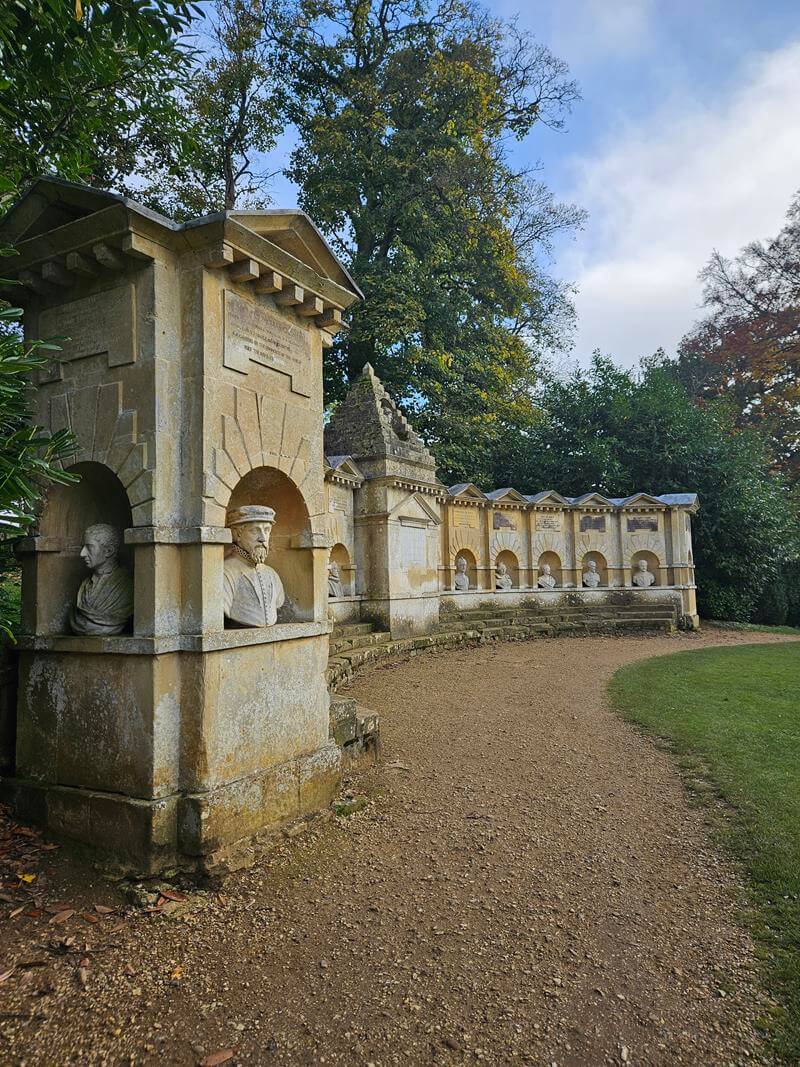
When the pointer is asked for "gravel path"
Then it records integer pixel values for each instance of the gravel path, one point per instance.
(527, 883)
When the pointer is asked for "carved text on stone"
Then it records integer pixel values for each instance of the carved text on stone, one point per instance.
(253, 332)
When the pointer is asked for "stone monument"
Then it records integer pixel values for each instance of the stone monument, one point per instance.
(335, 588)
(546, 579)
(104, 604)
(591, 577)
(192, 379)
(502, 578)
(253, 592)
(642, 576)
(397, 525)
(461, 580)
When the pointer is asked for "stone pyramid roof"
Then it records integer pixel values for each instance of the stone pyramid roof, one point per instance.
(370, 427)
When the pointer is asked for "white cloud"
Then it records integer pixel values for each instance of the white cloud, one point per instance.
(687, 179)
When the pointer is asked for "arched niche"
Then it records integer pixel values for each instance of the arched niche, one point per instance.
(68, 510)
(512, 564)
(653, 565)
(554, 561)
(602, 567)
(472, 567)
(290, 541)
(341, 557)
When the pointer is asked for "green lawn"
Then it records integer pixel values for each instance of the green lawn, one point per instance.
(733, 717)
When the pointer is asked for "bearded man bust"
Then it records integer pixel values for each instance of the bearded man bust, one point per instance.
(105, 599)
(253, 592)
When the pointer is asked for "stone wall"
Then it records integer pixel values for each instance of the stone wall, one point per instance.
(380, 479)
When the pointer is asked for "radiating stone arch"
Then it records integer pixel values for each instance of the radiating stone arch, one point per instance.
(107, 433)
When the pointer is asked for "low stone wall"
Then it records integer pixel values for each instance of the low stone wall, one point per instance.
(543, 599)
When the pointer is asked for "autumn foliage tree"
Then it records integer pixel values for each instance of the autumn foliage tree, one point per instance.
(404, 109)
(746, 350)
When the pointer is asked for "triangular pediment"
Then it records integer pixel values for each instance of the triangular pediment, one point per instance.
(642, 498)
(547, 496)
(507, 496)
(593, 500)
(50, 203)
(344, 465)
(416, 509)
(466, 491)
(295, 233)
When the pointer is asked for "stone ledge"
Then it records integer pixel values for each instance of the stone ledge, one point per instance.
(131, 645)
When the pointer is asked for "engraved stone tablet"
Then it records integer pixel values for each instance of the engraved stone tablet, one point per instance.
(643, 522)
(548, 522)
(100, 324)
(593, 522)
(253, 332)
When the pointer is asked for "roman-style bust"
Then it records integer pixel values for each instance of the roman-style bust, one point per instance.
(335, 587)
(105, 599)
(546, 579)
(252, 591)
(591, 578)
(502, 579)
(461, 581)
(642, 576)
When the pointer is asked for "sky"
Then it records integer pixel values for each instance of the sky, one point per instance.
(686, 140)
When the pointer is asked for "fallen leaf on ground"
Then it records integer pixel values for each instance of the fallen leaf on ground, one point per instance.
(396, 765)
(7, 974)
(27, 878)
(87, 915)
(172, 895)
(62, 916)
(103, 909)
(216, 1058)
(16, 911)
(177, 974)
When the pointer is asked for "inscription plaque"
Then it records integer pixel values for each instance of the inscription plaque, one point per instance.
(548, 522)
(253, 332)
(100, 324)
(643, 522)
(502, 522)
(593, 522)
(466, 517)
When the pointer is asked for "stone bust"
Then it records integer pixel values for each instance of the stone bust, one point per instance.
(546, 579)
(252, 591)
(591, 578)
(502, 579)
(335, 587)
(105, 599)
(461, 582)
(642, 576)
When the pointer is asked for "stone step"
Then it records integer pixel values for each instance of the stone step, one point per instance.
(480, 627)
(352, 629)
(345, 644)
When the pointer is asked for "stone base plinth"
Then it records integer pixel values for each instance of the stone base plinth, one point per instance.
(164, 758)
(185, 831)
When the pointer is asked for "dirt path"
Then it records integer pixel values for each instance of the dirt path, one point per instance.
(528, 884)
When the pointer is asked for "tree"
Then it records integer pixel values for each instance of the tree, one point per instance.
(403, 110)
(233, 106)
(87, 91)
(747, 349)
(607, 430)
(29, 459)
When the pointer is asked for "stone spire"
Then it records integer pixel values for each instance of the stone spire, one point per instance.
(369, 426)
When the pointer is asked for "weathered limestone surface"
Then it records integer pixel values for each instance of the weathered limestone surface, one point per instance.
(499, 546)
(192, 379)
(194, 390)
